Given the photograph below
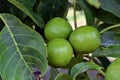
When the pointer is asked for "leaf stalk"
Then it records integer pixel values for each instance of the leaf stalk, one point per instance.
(108, 28)
(75, 20)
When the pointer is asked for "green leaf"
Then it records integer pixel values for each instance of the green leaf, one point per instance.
(112, 6)
(18, 13)
(53, 73)
(21, 50)
(110, 37)
(52, 8)
(110, 44)
(95, 3)
(90, 19)
(63, 76)
(27, 8)
(106, 17)
(83, 76)
(83, 67)
(111, 51)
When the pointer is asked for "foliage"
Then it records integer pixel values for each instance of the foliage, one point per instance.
(22, 43)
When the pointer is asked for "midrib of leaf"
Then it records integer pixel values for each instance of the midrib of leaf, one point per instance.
(15, 43)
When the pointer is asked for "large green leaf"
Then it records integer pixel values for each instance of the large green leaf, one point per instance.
(27, 7)
(18, 13)
(110, 42)
(21, 50)
(53, 73)
(106, 17)
(83, 76)
(111, 51)
(83, 67)
(110, 38)
(52, 8)
(63, 76)
(112, 6)
(90, 19)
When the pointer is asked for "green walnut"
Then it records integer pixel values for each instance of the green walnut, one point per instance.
(85, 39)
